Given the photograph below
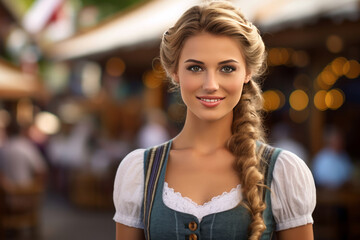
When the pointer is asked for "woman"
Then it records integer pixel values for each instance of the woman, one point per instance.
(216, 179)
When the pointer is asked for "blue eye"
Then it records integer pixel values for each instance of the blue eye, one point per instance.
(228, 69)
(195, 68)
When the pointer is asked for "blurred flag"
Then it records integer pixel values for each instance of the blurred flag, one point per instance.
(40, 14)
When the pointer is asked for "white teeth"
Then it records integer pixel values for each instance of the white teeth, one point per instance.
(209, 100)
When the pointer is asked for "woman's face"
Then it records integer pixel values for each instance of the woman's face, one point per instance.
(211, 74)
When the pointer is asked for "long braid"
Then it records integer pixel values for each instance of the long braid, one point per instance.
(247, 129)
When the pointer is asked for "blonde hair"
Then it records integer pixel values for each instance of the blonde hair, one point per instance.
(222, 18)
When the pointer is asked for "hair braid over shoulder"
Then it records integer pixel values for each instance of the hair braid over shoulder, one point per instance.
(222, 18)
(247, 129)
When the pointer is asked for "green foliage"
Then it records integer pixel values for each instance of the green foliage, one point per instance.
(21, 6)
(109, 7)
(27, 3)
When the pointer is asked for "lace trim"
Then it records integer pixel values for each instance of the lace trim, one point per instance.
(220, 203)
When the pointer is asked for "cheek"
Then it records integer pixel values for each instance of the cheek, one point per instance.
(188, 83)
(235, 88)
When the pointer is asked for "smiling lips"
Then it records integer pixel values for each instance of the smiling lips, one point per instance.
(210, 101)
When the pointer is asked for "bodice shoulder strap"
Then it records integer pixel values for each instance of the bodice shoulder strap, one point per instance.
(154, 159)
(268, 156)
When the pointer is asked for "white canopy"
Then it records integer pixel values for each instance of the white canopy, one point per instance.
(147, 23)
(144, 24)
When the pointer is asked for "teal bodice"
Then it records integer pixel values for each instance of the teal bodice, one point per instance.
(161, 222)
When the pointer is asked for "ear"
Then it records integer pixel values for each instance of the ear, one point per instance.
(175, 77)
(247, 78)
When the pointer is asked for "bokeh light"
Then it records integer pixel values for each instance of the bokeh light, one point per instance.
(337, 66)
(115, 67)
(351, 69)
(319, 100)
(274, 57)
(91, 79)
(334, 43)
(279, 56)
(288, 56)
(300, 58)
(70, 112)
(273, 100)
(285, 55)
(319, 83)
(334, 99)
(47, 122)
(328, 77)
(299, 100)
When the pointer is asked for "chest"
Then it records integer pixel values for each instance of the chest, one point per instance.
(201, 178)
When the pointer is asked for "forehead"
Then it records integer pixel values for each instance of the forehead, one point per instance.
(209, 47)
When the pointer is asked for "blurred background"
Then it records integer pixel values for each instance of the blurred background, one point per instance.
(79, 89)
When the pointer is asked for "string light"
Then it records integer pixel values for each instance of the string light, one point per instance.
(351, 69)
(319, 100)
(287, 56)
(299, 100)
(115, 67)
(337, 66)
(300, 58)
(273, 100)
(328, 77)
(334, 43)
(334, 99)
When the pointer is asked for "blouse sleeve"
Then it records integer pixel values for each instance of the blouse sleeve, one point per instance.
(128, 190)
(293, 196)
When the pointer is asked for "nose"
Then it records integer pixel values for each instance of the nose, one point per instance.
(210, 83)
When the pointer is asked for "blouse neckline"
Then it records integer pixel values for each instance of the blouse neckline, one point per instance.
(162, 183)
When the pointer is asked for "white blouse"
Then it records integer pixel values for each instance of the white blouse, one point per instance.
(293, 194)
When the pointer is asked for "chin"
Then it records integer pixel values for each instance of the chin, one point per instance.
(213, 116)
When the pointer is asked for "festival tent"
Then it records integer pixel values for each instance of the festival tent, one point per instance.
(144, 25)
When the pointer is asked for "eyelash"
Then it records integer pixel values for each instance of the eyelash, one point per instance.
(232, 69)
(192, 68)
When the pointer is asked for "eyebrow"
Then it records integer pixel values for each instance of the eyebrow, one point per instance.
(194, 61)
(228, 61)
(222, 62)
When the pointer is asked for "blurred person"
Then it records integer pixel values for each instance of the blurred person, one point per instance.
(216, 179)
(23, 175)
(22, 164)
(332, 166)
(68, 151)
(69, 147)
(154, 131)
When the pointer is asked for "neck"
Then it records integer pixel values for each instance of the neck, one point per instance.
(204, 136)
